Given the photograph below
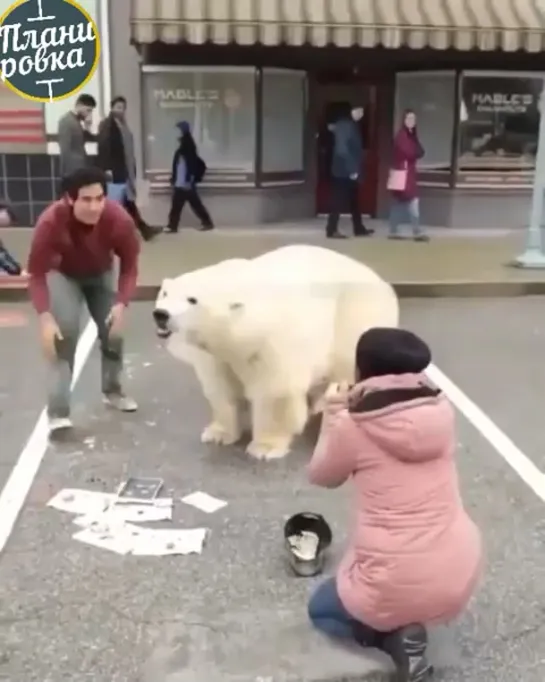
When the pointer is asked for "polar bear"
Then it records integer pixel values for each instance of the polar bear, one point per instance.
(275, 331)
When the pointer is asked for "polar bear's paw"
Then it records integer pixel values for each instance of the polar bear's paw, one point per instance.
(269, 448)
(217, 434)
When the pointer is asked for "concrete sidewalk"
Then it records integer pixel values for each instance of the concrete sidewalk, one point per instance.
(461, 263)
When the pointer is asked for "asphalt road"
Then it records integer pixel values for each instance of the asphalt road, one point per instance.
(234, 614)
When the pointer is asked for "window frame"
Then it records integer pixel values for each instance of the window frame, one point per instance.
(490, 179)
(160, 180)
(431, 177)
(290, 177)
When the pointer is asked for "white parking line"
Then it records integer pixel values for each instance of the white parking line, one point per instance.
(503, 445)
(15, 492)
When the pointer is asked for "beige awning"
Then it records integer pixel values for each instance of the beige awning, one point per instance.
(441, 24)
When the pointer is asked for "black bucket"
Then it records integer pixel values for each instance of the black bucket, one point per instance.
(306, 539)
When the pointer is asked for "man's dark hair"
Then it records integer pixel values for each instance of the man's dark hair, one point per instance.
(83, 177)
(86, 100)
(117, 99)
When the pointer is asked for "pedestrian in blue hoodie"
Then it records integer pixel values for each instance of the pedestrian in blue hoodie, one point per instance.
(188, 170)
(346, 166)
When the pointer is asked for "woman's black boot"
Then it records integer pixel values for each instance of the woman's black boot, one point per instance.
(407, 647)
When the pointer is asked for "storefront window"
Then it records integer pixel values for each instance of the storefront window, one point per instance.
(218, 104)
(283, 121)
(499, 122)
(432, 97)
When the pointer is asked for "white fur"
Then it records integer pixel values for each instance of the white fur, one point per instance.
(275, 330)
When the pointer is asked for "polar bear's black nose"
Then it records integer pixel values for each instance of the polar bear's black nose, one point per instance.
(161, 318)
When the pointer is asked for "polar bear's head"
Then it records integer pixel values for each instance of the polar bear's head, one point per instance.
(202, 306)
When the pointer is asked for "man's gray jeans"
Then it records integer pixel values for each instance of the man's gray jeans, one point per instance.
(68, 299)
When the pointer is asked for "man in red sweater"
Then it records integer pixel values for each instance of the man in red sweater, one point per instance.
(71, 265)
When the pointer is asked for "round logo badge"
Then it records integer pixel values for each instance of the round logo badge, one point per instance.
(49, 49)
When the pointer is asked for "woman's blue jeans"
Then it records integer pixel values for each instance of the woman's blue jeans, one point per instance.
(405, 211)
(327, 614)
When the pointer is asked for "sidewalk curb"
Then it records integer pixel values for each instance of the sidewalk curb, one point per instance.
(16, 292)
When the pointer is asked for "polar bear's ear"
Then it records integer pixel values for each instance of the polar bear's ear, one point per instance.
(165, 286)
(236, 305)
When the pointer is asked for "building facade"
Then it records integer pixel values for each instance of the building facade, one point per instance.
(259, 80)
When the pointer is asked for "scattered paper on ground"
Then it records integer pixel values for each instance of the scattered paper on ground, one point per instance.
(129, 539)
(81, 502)
(204, 502)
(133, 513)
(91, 505)
(108, 523)
(168, 542)
(114, 542)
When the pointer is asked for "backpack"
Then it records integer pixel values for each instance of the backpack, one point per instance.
(200, 169)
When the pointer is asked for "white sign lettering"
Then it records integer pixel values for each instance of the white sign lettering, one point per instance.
(12, 39)
(501, 102)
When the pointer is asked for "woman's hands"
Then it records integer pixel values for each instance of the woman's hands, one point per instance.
(337, 391)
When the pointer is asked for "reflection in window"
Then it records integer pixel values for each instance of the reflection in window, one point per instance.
(432, 97)
(283, 121)
(499, 123)
(219, 106)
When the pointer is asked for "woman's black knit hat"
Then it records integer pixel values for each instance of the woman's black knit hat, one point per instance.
(383, 350)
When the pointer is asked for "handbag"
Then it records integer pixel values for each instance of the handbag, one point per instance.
(397, 180)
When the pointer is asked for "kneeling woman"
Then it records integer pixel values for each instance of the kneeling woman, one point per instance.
(414, 556)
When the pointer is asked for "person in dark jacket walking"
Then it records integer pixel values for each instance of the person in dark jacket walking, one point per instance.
(346, 164)
(188, 170)
(116, 157)
(73, 132)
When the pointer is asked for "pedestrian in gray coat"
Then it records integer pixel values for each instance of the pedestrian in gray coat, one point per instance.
(72, 135)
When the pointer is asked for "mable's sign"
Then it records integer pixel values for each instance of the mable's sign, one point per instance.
(184, 97)
(502, 103)
(49, 49)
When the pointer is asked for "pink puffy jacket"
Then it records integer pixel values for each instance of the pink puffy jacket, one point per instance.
(414, 555)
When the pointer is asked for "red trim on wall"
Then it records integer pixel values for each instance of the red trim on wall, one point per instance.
(20, 125)
(16, 113)
(22, 139)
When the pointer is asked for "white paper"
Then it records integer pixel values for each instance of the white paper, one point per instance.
(204, 502)
(114, 541)
(133, 513)
(304, 545)
(81, 502)
(126, 538)
(169, 542)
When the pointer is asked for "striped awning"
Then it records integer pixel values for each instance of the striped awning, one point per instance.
(440, 24)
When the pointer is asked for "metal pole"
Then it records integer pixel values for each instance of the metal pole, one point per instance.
(533, 257)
